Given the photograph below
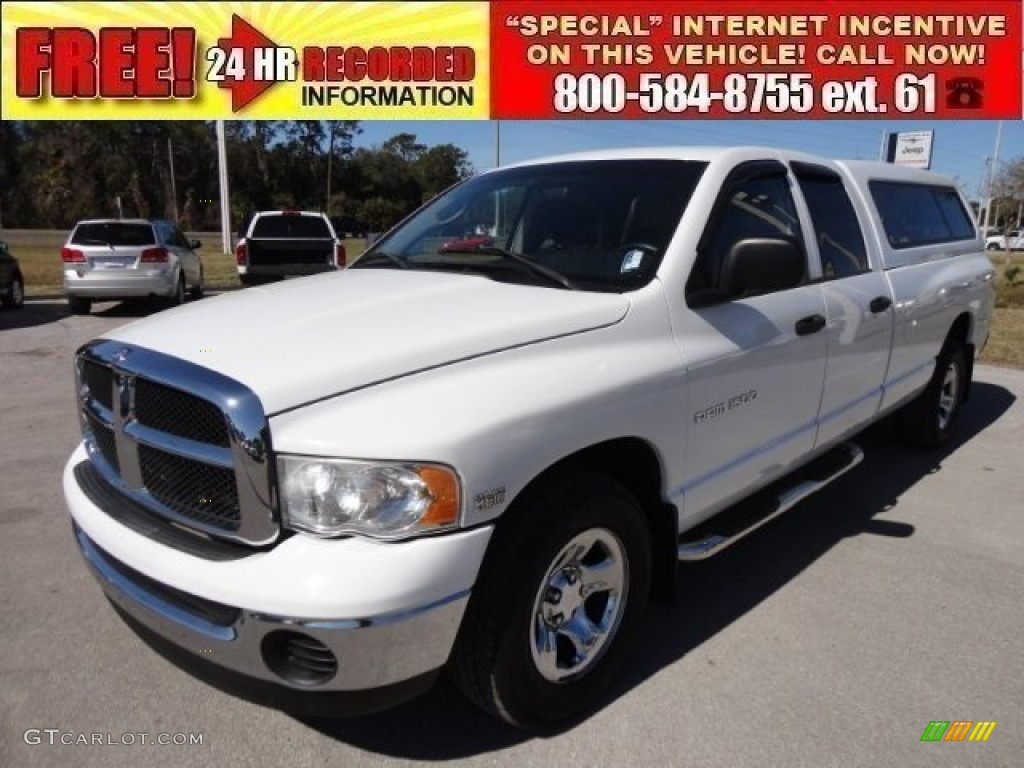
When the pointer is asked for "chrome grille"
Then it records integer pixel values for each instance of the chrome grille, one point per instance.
(100, 382)
(179, 413)
(185, 442)
(193, 489)
(103, 436)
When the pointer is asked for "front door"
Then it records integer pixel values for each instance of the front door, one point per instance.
(755, 365)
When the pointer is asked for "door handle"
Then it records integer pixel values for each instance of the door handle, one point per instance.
(879, 304)
(810, 324)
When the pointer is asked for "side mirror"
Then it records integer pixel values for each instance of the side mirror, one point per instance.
(762, 265)
(193, 244)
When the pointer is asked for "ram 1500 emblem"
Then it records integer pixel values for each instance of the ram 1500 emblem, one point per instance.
(487, 499)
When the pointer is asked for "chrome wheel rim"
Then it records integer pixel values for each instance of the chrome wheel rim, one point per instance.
(579, 605)
(949, 393)
(17, 293)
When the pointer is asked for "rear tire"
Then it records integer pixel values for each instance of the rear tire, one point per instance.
(559, 595)
(199, 289)
(179, 296)
(79, 306)
(928, 421)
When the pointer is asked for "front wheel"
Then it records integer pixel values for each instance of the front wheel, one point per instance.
(15, 297)
(558, 598)
(928, 421)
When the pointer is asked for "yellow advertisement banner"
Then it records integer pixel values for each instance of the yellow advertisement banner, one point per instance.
(221, 60)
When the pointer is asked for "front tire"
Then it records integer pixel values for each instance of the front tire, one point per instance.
(929, 420)
(15, 297)
(558, 598)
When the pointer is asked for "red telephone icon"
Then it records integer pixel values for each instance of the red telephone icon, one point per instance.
(964, 93)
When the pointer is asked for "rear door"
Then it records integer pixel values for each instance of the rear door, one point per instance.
(858, 304)
(755, 365)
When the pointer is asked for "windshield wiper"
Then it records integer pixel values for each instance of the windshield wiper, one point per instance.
(97, 241)
(538, 269)
(379, 256)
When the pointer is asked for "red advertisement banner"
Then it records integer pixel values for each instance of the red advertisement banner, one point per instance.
(892, 60)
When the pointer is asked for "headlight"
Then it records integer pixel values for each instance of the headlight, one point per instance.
(331, 497)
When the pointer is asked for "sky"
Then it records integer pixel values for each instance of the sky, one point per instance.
(962, 148)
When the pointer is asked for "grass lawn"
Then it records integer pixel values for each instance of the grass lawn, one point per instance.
(1006, 344)
(38, 252)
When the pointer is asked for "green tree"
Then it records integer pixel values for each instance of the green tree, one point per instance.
(441, 166)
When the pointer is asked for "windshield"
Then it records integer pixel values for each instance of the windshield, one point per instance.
(603, 224)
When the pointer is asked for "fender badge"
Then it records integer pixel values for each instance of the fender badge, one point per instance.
(488, 499)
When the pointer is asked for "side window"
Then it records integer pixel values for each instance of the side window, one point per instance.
(752, 206)
(920, 214)
(178, 237)
(836, 228)
(961, 226)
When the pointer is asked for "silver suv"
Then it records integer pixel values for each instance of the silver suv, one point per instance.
(108, 259)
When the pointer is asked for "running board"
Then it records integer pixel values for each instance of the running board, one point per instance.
(731, 525)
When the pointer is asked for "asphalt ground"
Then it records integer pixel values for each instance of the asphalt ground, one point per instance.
(831, 637)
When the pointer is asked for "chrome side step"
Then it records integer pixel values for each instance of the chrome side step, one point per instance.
(731, 525)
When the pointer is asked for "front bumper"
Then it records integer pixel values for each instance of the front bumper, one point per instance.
(229, 613)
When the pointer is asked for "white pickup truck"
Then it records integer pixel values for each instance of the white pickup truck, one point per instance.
(485, 445)
(276, 244)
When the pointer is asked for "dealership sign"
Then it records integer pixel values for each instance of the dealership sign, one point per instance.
(912, 149)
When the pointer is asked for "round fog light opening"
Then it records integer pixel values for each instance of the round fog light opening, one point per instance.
(298, 659)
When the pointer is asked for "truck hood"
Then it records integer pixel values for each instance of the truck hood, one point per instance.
(302, 340)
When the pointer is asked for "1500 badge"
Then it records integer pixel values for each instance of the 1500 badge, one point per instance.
(487, 499)
(724, 407)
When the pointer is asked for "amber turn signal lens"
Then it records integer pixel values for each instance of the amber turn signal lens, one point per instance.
(444, 487)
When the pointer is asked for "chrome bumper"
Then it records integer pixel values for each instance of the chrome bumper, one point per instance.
(370, 653)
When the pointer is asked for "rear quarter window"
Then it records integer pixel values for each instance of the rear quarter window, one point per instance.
(285, 226)
(920, 214)
(113, 233)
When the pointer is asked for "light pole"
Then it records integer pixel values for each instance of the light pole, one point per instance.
(174, 186)
(222, 170)
(989, 180)
(330, 162)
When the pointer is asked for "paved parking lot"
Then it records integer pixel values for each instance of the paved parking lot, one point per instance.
(831, 637)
